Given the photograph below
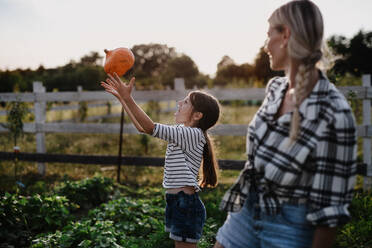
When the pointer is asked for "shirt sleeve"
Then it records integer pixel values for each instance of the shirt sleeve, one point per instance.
(335, 173)
(187, 138)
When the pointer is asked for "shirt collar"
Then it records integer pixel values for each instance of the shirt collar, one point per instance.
(309, 108)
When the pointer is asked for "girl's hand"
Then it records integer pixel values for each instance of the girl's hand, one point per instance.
(115, 86)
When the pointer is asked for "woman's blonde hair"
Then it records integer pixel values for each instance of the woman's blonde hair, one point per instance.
(305, 44)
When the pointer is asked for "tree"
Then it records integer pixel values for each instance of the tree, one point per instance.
(356, 54)
(91, 59)
(228, 72)
(182, 66)
(11, 79)
(151, 59)
(225, 61)
(262, 70)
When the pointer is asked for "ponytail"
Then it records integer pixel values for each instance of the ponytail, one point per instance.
(302, 79)
(209, 107)
(209, 165)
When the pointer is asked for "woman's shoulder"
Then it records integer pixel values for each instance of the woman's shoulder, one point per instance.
(275, 82)
(338, 106)
(337, 98)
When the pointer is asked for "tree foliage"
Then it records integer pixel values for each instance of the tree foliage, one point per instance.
(182, 67)
(157, 65)
(228, 71)
(262, 70)
(151, 59)
(356, 53)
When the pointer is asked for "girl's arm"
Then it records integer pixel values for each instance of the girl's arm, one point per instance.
(132, 117)
(123, 92)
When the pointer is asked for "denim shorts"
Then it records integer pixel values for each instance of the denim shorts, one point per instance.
(184, 217)
(252, 227)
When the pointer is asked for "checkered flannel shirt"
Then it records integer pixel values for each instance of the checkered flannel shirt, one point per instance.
(319, 169)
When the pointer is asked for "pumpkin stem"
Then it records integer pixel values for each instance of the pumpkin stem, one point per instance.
(106, 51)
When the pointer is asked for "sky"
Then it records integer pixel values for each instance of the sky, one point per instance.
(54, 32)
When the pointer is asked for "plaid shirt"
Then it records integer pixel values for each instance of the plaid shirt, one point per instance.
(319, 169)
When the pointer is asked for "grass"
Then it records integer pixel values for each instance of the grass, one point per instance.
(227, 147)
(107, 144)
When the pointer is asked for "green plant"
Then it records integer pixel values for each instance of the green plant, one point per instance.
(81, 234)
(23, 217)
(87, 193)
(109, 107)
(16, 114)
(119, 223)
(82, 111)
(145, 140)
(357, 233)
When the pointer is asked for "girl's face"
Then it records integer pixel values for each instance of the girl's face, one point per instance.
(184, 112)
(276, 48)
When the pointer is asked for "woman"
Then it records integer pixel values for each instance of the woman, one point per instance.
(301, 144)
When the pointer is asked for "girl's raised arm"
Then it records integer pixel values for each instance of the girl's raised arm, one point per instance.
(123, 92)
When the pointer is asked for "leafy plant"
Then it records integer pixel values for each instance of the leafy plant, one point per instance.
(81, 234)
(135, 219)
(82, 111)
(23, 217)
(357, 233)
(119, 223)
(16, 114)
(87, 193)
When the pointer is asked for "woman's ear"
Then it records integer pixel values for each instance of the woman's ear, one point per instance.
(286, 34)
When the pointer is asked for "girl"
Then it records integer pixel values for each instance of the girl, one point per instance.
(188, 147)
(298, 181)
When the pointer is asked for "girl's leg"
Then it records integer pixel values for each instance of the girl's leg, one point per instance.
(179, 244)
(217, 245)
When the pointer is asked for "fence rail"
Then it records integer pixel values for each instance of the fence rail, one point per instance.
(357, 92)
(224, 164)
(39, 97)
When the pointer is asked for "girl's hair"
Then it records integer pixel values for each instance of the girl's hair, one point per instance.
(209, 107)
(305, 44)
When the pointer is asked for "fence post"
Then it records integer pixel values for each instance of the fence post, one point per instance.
(79, 89)
(40, 113)
(179, 84)
(367, 149)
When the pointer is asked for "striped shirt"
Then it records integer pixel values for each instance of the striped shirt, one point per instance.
(319, 169)
(183, 156)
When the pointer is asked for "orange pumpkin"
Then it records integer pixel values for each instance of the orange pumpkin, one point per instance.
(119, 60)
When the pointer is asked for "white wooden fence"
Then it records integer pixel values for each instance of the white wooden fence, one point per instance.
(39, 97)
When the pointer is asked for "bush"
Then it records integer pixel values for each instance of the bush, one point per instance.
(139, 218)
(358, 232)
(135, 222)
(119, 223)
(87, 193)
(127, 222)
(81, 234)
(23, 217)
